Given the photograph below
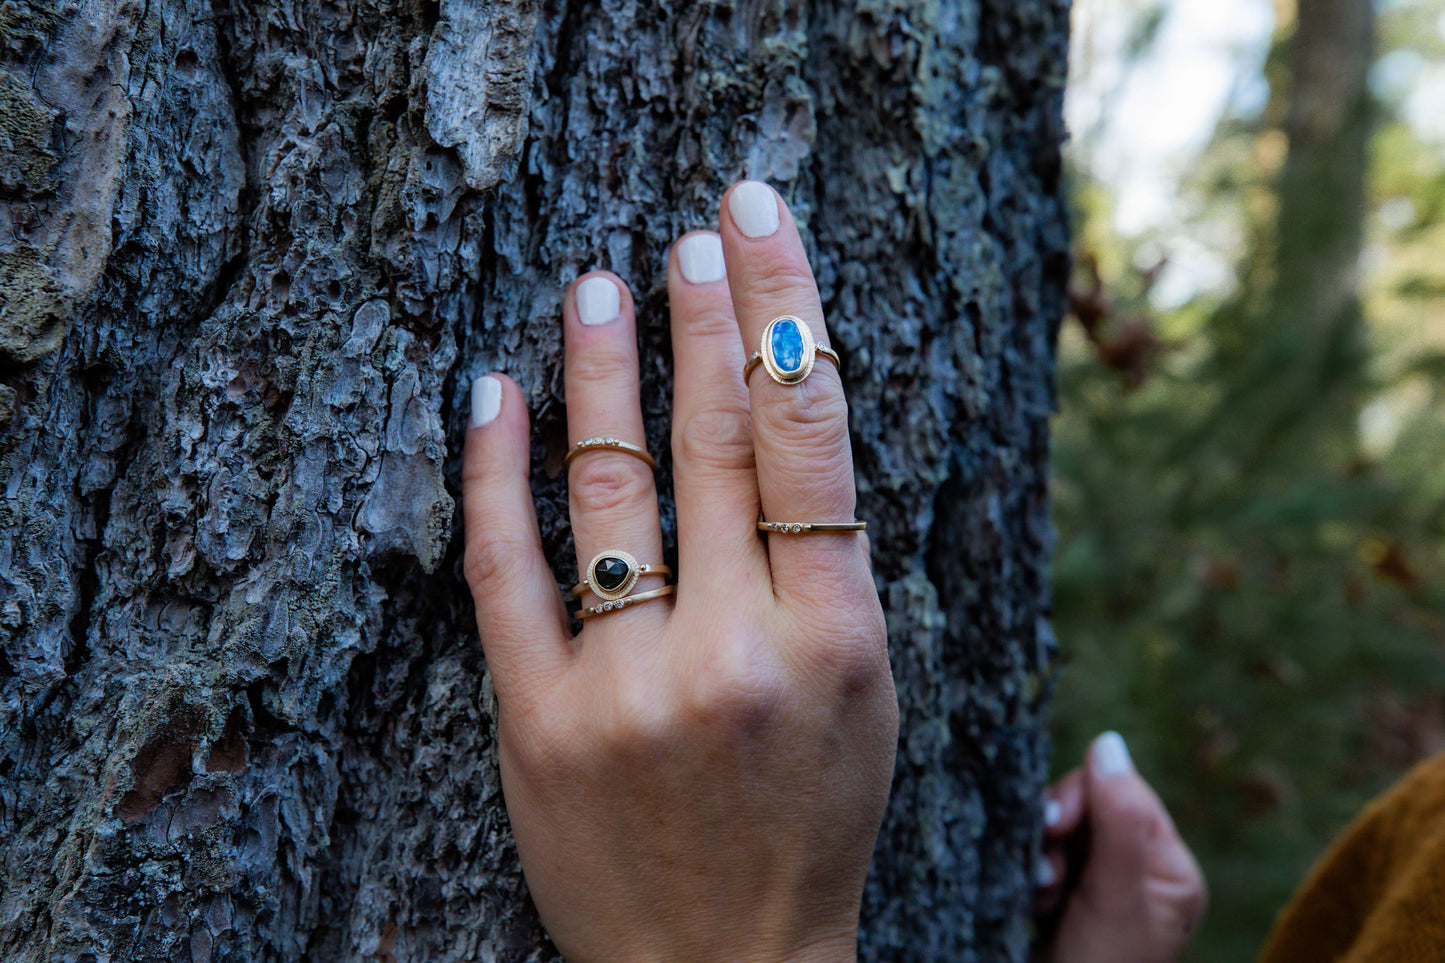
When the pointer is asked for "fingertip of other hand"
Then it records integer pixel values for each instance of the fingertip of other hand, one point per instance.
(1053, 812)
(1110, 756)
(1045, 873)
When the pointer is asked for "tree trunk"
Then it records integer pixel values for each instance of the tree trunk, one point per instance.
(251, 255)
(1300, 343)
(1322, 186)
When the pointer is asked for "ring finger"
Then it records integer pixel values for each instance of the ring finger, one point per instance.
(612, 495)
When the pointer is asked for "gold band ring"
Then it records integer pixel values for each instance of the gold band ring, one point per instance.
(604, 607)
(612, 573)
(788, 352)
(811, 528)
(609, 444)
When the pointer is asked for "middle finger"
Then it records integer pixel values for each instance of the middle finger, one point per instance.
(800, 431)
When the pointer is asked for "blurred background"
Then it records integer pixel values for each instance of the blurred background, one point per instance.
(1250, 453)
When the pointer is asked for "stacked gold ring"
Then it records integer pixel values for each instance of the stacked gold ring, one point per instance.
(603, 607)
(610, 576)
(609, 444)
(810, 528)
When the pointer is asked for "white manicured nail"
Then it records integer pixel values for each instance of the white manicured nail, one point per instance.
(754, 208)
(1111, 756)
(1053, 812)
(486, 400)
(700, 256)
(598, 301)
(1044, 875)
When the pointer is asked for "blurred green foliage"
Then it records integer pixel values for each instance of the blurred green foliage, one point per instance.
(1250, 576)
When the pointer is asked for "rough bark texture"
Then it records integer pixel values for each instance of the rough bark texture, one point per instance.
(251, 254)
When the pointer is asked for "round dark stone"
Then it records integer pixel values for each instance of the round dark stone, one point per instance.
(610, 573)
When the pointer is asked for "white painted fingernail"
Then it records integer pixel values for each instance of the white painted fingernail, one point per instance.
(1053, 812)
(700, 256)
(1044, 875)
(754, 208)
(486, 400)
(1111, 756)
(598, 301)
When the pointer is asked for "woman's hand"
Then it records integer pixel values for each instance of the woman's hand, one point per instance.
(699, 777)
(1117, 880)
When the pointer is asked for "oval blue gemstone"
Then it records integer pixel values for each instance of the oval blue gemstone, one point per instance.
(787, 345)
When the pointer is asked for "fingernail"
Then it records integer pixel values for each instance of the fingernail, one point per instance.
(700, 256)
(598, 301)
(1044, 876)
(754, 209)
(1111, 756)
(486, 400)
(1053, 812)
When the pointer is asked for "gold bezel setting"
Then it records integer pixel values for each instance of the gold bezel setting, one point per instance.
(789, 376)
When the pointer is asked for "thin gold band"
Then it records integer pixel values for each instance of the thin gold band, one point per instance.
(810, 528)
(584, 586)
(609, 444)
(821, 350)
(602, 608)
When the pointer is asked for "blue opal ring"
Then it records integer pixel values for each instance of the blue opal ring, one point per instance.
(788, 352)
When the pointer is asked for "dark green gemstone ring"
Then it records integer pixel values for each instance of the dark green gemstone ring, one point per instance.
(613, 573)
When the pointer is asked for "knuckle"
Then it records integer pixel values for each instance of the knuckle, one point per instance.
(713, 325)
(812, 416)
(854, 656)
(739, 695)
(717, 438)
(786, 280)
(638, 725)
(604, 482)
(493, 562)
(605, 367)
(1179, 908)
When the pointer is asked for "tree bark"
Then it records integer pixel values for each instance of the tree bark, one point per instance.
(252, 254)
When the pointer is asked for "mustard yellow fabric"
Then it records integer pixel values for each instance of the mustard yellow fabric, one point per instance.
(1378, 896)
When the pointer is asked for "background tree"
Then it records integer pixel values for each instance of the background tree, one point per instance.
(251, 255)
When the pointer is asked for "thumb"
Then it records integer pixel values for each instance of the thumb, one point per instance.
(1133, 835)
(1126, 819)
(1141, 893)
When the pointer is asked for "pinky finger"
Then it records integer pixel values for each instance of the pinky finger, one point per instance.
(519, 610)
